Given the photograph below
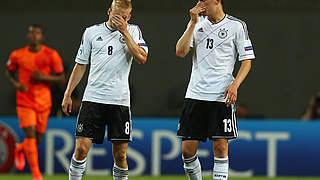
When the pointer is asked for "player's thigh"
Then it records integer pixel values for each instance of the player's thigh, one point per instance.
(91, 122)
(223, 122)
(193, 122)
(42, 121)
(27, 117)
(189, 148)
(119, 123)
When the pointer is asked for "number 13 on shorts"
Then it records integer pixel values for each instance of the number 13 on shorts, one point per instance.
(227, 125)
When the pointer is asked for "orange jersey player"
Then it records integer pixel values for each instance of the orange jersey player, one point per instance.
(38, 67)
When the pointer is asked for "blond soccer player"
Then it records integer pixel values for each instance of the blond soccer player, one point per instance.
(110, 47)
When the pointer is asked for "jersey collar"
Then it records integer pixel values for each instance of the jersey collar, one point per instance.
(224, 17)
(109, 28)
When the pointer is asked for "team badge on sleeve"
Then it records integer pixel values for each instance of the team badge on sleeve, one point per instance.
(142, 44)
(8, 62)
(80, 52)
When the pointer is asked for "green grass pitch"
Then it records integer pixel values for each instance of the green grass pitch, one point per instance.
(62, 177)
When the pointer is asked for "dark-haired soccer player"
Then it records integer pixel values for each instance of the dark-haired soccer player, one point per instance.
(217, 39)
(36, 64)
(110, 47)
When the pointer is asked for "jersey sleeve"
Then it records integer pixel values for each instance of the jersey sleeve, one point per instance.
(84, 51)
(56, 63)
(192, 42)
(138, 38)
(12, 63)
(243, 44)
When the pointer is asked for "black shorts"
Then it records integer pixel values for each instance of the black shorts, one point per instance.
(94, 117)
(207, 119)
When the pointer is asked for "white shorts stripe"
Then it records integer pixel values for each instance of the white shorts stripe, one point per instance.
(234, 119)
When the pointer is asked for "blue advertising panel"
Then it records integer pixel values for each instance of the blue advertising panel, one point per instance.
(264, 148)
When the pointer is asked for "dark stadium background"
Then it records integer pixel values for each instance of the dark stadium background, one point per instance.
(285, 34)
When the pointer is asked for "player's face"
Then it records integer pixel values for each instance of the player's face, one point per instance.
(210, 5)
(318, 111)
(123, 12)
(34, 35)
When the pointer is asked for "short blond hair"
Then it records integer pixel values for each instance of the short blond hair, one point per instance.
(126, 4)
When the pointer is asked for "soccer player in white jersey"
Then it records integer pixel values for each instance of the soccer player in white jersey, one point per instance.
(217, 39)
(110, 48)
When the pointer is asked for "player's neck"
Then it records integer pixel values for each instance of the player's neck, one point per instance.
(35, 47)
(109, 25)
(217, 17)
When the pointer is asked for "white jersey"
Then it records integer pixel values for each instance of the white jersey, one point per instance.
(110, 63)
(216, 47)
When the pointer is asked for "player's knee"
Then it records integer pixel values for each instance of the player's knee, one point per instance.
(188, 153)
(220, 150)
(81, 152)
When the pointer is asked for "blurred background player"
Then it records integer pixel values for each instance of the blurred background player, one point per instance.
(209, 110)
(110, 47)
(35, 65)
(313, 110)
(242, 111)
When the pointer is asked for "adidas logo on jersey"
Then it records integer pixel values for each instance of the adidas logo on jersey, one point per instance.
(200, 30)
(100, 39)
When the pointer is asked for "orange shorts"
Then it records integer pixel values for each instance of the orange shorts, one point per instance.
(29, 117)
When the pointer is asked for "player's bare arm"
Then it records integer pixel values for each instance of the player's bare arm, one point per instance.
(231, 92)
(308, 114)
(183, 45)
(76, 76)
(15, 83)
(138, 53)
(39, 77)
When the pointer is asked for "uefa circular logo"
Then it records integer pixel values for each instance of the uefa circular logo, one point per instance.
(7, 145)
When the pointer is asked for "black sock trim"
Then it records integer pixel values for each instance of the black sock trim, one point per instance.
(75, 163)
(187, 161)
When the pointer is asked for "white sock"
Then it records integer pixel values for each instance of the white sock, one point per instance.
(220, 168)
(192, 168)
(77, 168)
(120, 173)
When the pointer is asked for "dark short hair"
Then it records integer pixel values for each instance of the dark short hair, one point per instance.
(36, 26)
(222, 2)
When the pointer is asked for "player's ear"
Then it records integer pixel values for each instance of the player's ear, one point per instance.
(41, 39)
(109, 10)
